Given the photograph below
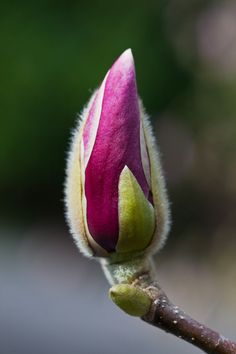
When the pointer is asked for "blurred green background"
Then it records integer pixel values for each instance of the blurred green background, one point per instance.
(53, 55)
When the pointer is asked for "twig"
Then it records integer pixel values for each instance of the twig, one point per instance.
(141, 296)
(164, 315)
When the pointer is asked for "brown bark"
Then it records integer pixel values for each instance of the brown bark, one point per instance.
(168, 317)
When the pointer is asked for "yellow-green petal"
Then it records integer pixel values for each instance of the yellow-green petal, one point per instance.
(136, 215)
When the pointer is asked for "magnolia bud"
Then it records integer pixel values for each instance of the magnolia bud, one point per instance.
(115, 195)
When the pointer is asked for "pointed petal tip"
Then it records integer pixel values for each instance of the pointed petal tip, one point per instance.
(127, 55)
(125, 61)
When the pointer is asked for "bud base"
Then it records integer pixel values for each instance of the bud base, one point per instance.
(127, 271)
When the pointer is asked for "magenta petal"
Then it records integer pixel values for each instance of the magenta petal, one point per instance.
(117, 144)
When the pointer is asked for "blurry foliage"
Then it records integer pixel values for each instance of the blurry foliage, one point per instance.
(55, 53)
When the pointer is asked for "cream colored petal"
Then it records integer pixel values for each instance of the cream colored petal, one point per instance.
(144, 154)
(160, 199)
(136, 215)
(73, 194)
(95, 121)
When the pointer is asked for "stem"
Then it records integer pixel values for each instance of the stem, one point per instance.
(135, 288)
(126, 271)
(164, 315)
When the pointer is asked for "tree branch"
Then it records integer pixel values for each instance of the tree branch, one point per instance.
(168, 317)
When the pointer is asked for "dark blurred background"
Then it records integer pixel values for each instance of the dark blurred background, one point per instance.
(53, 55)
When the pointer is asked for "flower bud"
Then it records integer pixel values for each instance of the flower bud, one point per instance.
(115, 195)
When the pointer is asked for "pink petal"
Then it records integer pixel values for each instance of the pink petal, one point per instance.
(116, 145)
